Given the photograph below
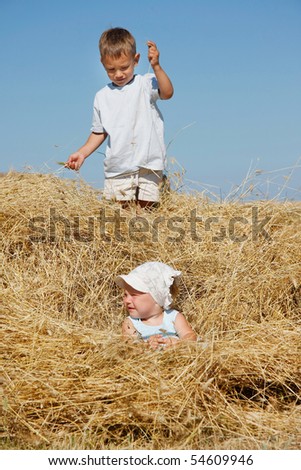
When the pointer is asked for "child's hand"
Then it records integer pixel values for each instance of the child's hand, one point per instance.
(156, 341)
(153, 53)
(75, 161)
(170, 341)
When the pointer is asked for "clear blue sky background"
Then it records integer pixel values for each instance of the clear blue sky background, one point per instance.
(235, 66)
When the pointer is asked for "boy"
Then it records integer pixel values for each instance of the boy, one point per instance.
(125, 112)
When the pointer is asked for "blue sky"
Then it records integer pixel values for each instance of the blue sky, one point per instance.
(235, 66)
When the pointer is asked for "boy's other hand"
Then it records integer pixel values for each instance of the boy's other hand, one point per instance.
(75, 161)
(153, 53)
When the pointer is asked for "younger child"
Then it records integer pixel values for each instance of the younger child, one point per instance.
(148, 291)
(126, 114)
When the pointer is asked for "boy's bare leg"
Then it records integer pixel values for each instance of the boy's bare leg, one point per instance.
(147, 204)
(140, 204)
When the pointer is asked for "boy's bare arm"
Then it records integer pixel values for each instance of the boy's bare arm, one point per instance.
(164, 82)
(76, 159)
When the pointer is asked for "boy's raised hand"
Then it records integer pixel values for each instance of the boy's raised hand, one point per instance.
(164, 84)
(153, 53)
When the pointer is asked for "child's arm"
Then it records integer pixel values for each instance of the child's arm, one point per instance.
(164, 83)
(128, 329)
(183, 329)
(76, 159)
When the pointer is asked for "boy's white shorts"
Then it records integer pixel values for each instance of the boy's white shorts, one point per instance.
(143, 185)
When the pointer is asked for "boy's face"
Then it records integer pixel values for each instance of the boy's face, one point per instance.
(121, 70)
(140, 304)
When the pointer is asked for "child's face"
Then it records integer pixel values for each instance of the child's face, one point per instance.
(121, 70)
(140, 304)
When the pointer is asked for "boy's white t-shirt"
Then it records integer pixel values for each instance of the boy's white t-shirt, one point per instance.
(134, 124)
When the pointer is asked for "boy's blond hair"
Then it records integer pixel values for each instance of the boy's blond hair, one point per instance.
(115, 42)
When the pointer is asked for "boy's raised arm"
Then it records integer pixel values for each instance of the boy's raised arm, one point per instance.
(164, 82)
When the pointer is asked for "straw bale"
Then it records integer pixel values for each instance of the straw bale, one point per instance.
(70, 381)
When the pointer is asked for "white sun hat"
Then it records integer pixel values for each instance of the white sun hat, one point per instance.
(154, 278)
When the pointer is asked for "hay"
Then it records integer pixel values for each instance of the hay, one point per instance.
(70, 382)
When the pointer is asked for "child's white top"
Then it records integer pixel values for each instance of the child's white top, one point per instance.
(134, 124)
(167, 327)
